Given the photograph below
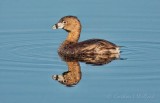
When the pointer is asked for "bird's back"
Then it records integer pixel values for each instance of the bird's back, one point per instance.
(89, 47)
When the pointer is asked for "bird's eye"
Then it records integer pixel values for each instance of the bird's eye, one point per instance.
(65, 81)
(64, 22)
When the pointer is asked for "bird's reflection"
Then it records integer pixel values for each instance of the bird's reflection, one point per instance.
(73, 75)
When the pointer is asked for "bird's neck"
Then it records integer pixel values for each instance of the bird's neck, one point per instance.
(73, 36)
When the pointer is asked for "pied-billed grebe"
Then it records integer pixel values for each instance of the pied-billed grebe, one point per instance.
(71, 46)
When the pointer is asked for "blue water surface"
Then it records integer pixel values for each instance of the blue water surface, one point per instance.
(28, 51)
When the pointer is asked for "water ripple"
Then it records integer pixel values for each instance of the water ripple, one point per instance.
(39, 51)
(142, 50)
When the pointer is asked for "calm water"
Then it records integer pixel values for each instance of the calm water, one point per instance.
(28, 51)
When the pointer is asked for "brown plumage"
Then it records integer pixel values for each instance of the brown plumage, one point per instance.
(71, 46)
